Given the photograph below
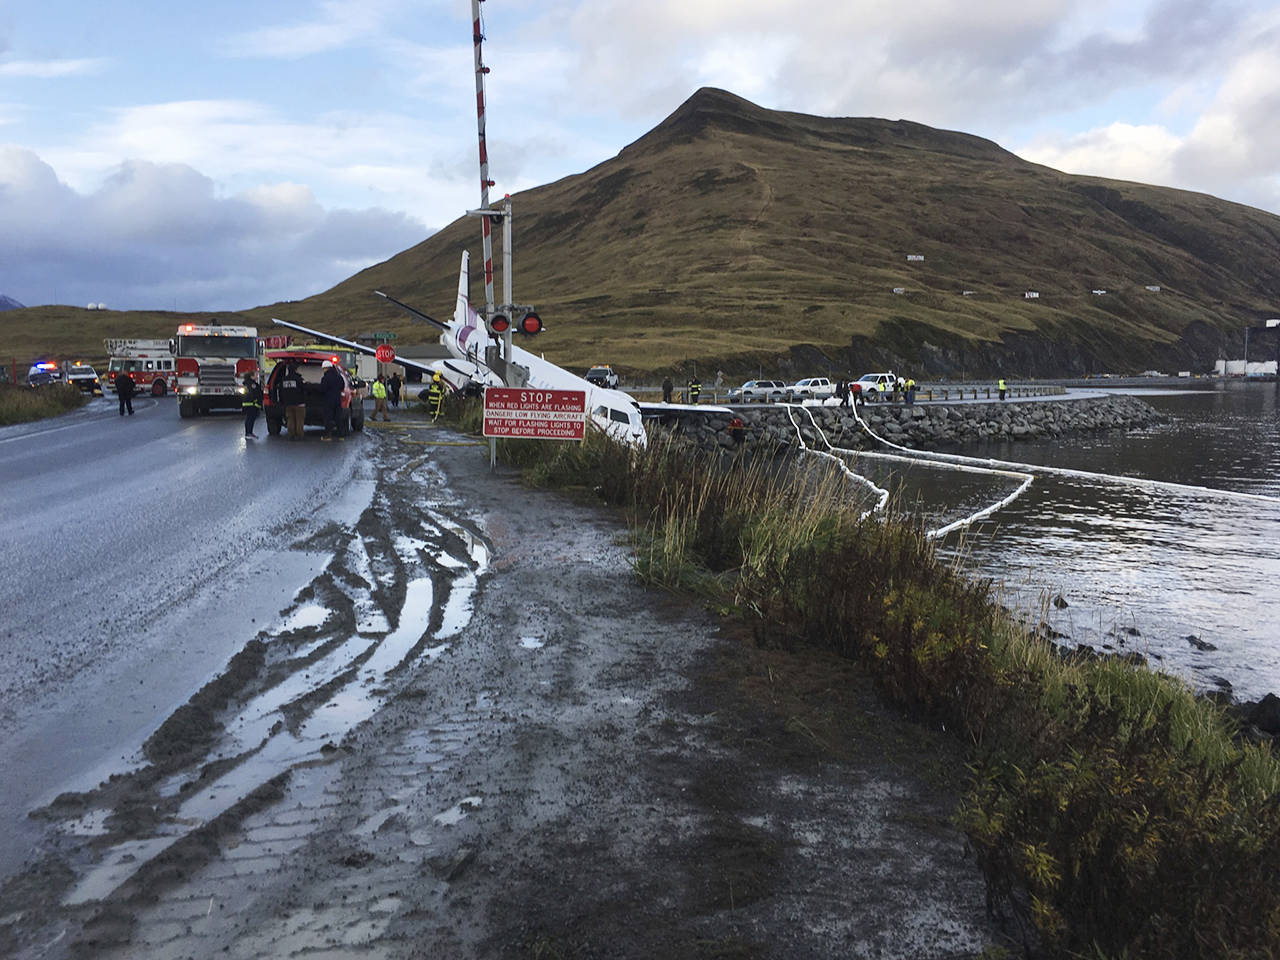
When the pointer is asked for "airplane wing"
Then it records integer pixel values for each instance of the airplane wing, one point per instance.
(661, 409)
(362, 348)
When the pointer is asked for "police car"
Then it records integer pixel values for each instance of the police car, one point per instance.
(43, 373)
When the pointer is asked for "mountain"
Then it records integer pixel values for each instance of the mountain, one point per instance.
(8, 303)
(741, 238)
(746, 239)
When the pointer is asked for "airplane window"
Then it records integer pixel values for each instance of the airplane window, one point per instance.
(600, 411)
(618, 416)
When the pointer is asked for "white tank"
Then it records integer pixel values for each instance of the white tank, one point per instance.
(1235, 368)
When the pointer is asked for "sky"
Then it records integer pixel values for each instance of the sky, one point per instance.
(221, 156)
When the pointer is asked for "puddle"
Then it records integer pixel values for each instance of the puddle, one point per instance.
(312, 615)
(458, 812)
(531, 643)
(346, 508)
(457, 609)
(270, 746)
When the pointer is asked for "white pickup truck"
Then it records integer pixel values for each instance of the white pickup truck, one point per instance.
(811, 388)
(873, 386)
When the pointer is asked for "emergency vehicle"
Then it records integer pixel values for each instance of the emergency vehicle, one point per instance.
(211, 361)
(148, 363)
(82, 375)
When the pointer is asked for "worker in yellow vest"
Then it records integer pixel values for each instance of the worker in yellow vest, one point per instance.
(435, 395)
(380, 397)
(1002, 388)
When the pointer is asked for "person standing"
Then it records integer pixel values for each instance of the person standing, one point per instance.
(251, 404)
(331, 386)
(393, 389)
(124, 392)
(667, 387)
(435, 395)
(1002, 387)
(290, 396)
(695, 389)
(380, 397)
(910, 388)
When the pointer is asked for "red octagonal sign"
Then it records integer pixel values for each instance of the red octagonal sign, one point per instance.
(385, 353)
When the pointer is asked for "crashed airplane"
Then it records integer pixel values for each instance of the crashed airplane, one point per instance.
(615, 412)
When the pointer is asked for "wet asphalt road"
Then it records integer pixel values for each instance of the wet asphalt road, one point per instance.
(138, 554)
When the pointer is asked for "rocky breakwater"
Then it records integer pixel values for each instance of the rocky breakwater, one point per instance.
(927, 426)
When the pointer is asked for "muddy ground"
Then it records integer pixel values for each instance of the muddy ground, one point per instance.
(475, 734)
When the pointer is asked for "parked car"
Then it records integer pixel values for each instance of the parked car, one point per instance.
(602, 375)
(82, 375)
(811, 388)
(873, 386)
(758, 391)
(310, 365)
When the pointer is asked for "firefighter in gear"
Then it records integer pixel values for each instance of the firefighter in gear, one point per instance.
(252, 403)
(695, 390)
(380, 398)
(435, 395)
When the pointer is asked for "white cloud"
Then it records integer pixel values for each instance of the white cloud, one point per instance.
(1120, 151)
(53, 69)
(159, 236)
(340, 24)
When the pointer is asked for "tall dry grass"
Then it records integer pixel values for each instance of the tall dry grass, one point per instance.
(22, 404)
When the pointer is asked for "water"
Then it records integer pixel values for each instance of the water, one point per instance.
(1163, 573)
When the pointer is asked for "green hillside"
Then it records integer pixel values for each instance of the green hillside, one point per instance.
(739, 238)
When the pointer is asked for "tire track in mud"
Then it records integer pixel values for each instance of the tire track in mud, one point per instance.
(398, 587)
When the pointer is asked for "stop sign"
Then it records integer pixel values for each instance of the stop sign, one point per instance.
(385, 353)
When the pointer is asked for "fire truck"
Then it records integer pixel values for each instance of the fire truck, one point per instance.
(212, 360)
(149, 363)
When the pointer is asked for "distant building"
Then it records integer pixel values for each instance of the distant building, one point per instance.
(1153, 287)
(967, 293)
(1031, 295)
(1097, 293)
(899, 290)
(919, 257)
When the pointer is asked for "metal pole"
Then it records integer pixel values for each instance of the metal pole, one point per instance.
(506, 272)
(485, 183)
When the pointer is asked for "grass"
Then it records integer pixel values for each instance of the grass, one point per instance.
(1111, 811)
(20, 404)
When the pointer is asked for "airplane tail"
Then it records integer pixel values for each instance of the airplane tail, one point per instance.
(460, 313)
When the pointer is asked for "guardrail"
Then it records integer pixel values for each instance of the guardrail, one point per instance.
(925, 393)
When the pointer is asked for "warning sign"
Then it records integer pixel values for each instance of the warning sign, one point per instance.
(535, 414)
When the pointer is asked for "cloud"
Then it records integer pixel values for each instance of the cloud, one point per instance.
(53, 69)
(1120, 151)
(159, 236)
(1232, 150)
(340, 24)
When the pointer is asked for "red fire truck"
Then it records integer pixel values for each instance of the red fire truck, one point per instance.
(212, 360)
(149, 363)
